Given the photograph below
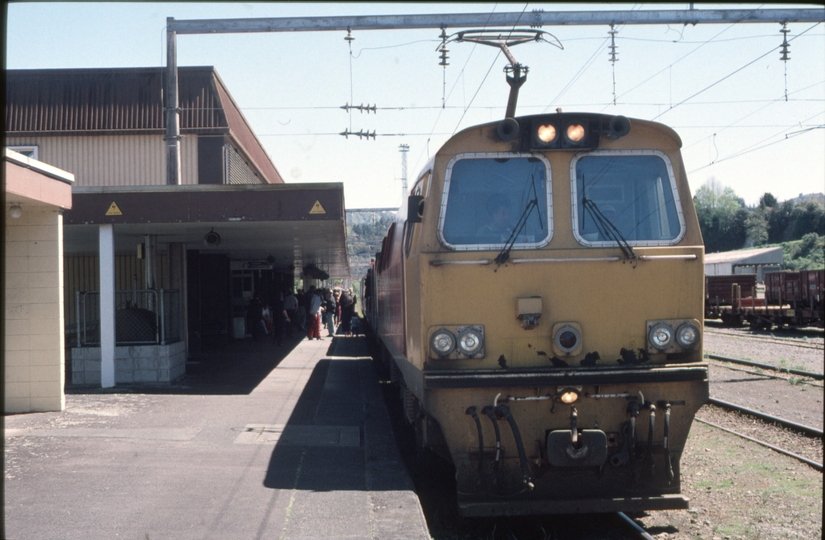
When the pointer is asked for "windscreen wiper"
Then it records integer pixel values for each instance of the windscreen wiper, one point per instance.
(607, 228)
(504, 255)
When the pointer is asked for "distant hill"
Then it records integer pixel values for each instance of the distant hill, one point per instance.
(816, 197)
(365, 231)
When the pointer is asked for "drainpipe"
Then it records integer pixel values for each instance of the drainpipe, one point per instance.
(171, 108)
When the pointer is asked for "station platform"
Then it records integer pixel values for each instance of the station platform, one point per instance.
(257, 441)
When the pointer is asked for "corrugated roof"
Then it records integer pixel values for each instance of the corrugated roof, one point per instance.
(114, 101)
(752, 256)
(65, 101)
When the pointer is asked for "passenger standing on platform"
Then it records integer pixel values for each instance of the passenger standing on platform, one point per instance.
(266, 316)
(347, 311)
(337, 295)
(291, 307)
(280, 319)
(314, 314)
(254, 316)
(331, 306)
(303, 309)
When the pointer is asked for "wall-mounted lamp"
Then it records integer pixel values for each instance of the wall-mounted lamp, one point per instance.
(15, 212)
(212, 239)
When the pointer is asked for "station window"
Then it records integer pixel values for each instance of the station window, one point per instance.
(28, 151)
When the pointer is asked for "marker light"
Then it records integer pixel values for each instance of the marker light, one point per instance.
(661, 336)
(442, 342)
(687, 335)
(470, 341)
(575, 132)
(569, 395)
(546, 133)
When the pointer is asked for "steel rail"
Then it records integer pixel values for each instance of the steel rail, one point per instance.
(807, 430)
(812, 463)
(787, 342)
(817, 376)
(777, 376)
(635, 526)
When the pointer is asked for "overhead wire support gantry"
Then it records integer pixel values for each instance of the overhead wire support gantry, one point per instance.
(535, 19)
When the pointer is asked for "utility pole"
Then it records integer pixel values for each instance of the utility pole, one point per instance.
(403, 148)
(534, 19)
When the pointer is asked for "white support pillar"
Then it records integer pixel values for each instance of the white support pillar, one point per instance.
(107, 305)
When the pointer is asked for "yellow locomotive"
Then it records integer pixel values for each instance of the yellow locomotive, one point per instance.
(540, 302)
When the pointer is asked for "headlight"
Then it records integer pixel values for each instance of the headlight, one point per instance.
(442, 342)
(546, 133)
(575, 133)
(660, 336)
(568, 339)
(687, 335)
(470, 341)
(562, 131)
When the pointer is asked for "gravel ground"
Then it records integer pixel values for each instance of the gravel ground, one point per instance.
(791, 398)
(794, 398)
(739, 489)
(800, 350)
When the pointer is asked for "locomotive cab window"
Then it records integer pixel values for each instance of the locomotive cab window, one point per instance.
(493, 199)
(625, 197)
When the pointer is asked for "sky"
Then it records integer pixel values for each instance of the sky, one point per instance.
(747, 119)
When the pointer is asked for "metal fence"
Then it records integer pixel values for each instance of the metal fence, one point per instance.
(145, 317)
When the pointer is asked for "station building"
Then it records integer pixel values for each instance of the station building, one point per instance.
(176, 266)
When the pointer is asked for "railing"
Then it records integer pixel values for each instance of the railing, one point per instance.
(144, 317)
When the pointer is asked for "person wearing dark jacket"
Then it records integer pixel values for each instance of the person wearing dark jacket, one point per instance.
(347, 311)
(331, 307)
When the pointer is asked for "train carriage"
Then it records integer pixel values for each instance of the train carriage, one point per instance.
(540, 302)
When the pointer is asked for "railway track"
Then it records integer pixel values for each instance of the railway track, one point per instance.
(807, 431)
(637, 530)
(754, 336)
(778, 369)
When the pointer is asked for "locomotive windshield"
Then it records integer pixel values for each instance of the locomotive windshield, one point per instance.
(633, 191)
(495, 199)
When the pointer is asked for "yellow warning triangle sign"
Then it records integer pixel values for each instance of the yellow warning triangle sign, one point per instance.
(316, 208)
(113, 210)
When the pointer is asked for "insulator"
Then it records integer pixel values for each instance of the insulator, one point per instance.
(613, 47)
(349, 36)
(444, 56)
(443, 49)
(536, 22)
(785, 51)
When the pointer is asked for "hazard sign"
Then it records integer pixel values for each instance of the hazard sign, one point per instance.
(317, 208)
(113, 210)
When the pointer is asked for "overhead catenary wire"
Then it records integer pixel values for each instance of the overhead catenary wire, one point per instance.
(425, 150)
(734, 72)
(754, 148)
(767, 104)
(521, 106)
(712, 39)
(487, 74)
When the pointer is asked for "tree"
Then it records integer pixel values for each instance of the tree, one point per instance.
(756, 226)
(767, 201)
(808, 217)
(779, 220)
(721, 215)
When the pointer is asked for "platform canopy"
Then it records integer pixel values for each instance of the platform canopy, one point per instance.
(288, 226)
